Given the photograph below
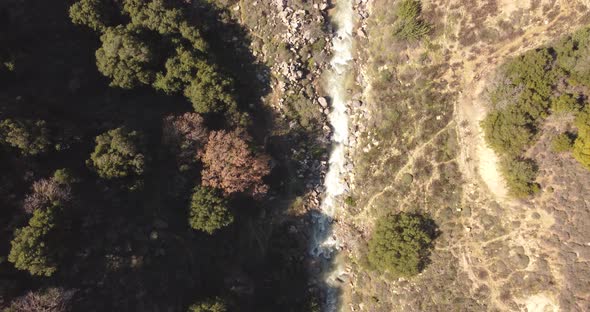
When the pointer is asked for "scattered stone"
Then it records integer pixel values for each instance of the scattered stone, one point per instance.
(323, 102)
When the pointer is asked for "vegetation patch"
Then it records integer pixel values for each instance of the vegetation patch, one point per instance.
(401, 244)
(409, 26)
(528, 89)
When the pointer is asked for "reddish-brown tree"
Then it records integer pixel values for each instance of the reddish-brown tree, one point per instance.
(187, 135)
(231, 165)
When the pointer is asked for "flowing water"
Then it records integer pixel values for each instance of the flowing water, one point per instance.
(325, 243)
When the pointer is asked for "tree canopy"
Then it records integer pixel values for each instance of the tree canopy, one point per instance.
(118, 154)
(209, 212)
(125, 57)
(95, 14)
(401, 243)
(33, 247)
(31, 137)
(211, 305)
(231, 165)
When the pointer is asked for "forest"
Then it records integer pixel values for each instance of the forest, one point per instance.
(139, 167)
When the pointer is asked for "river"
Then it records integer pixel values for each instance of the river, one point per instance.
(325, 243)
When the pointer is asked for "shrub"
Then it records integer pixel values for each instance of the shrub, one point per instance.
(520, 175)
(350, 201)
(32, 247)
(562, 143)
(31, 137)
(409, 25)
(209, 211)
(401, 244)
(118, 153)
(211, 305)
(232, 166)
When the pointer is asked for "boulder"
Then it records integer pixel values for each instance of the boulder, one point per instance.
(323, 102)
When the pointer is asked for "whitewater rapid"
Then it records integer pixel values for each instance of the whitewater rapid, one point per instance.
(335, 85)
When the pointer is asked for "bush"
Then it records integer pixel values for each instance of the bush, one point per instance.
(562, 143)
(118, 154)
(408, 25)
(209, 211)
(32, 247)
(212, 305)
(31, 137)
(401, 244)
(350, 201)
(520, 175)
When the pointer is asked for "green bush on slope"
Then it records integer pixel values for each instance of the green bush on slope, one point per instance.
(401, 244)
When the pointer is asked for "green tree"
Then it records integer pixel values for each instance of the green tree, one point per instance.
(125, 58)
(581, 149)
(211, 305)
(562, 143)
(210, 91)
(520, 175)
(209, 211)
(118, 154)
(534, 71)
(565, 103)
(506, 133)
(181, 68)
(154, 15)
(409, 25)
(401, 244)
(33, 245)
(31, 137)
(165, 19)
(95, 14)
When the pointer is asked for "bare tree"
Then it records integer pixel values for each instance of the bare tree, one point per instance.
(48, 300)
(46, 192)
(187, 135)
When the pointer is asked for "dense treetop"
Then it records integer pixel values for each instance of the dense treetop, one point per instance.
(400, 244)
(118, 154)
